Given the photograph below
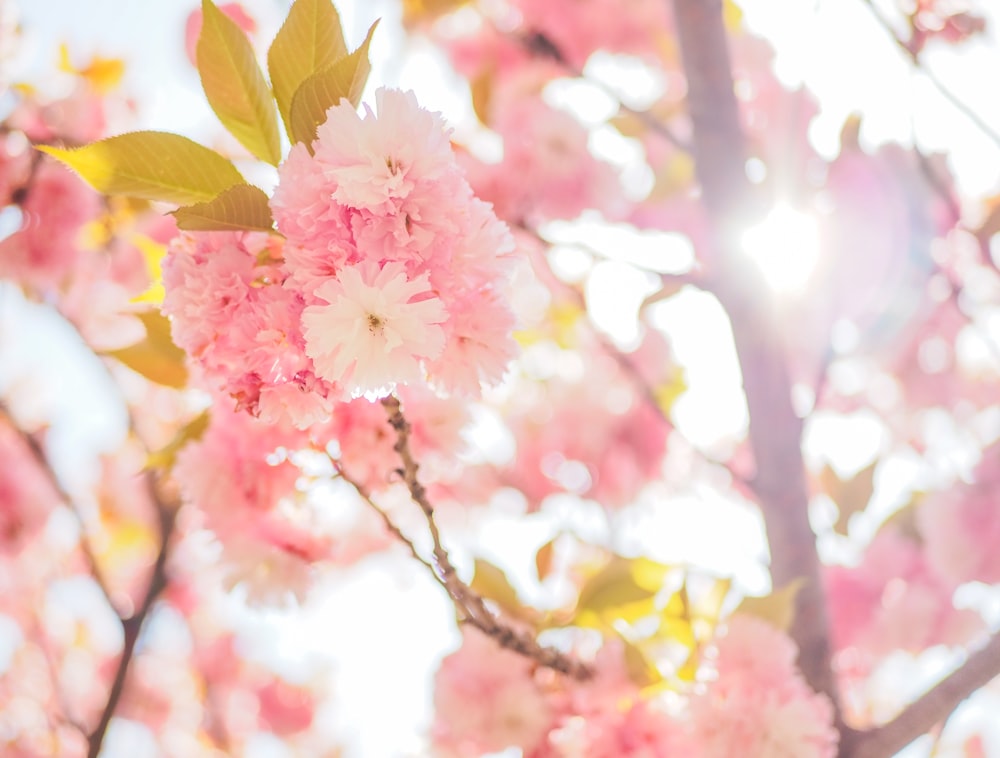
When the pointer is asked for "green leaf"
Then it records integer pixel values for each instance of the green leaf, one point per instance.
(904, 519)
(543, 559)
(192, 431)
(624, 588)
(640, 669)
(344, 78)
(235, 85)
(150, 165)
(851, 495)
(481, 91)
(157, 358)
(675, 621)
(778, 608)
(241, 207)
(492, 583)
(310, 40)
(688, 671)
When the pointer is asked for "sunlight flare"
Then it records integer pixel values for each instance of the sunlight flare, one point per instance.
(785, 245)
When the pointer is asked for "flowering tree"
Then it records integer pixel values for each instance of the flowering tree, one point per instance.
(391, 343)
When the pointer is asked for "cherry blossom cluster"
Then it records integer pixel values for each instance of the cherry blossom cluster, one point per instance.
(390, 272)
(756, 703)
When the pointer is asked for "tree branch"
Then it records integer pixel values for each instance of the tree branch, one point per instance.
(132, 626)
(775, 431)
(933, 707)
(541, 46)
(914, 57)
(45, 466)
(470, 604)
(387, 521)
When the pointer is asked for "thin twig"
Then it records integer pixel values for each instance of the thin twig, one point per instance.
(387, 520)
(132, 626)
(44, 465)
(469, 604)
(627, 365)
(914, 57)
(543, 47)
(52, 668)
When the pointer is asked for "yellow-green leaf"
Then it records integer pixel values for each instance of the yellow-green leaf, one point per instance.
(241, 207)
(904, 520)
(422, 11)
(640, 670)
(624, 588)
(153, 252)
(674, 175)
(492, 583)
(481, 90)
(675, 620)
(310, 40)
(344, 78)
(543, 559)
(157, 358)
(688, 671)
(235, 85)
(778, 608)
(191, 432)
(150, 165)
(851, 495)
(677, 630)
(649, 573)
(670, 389)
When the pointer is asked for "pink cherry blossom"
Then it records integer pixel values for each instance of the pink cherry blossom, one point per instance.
(607, 454)
(230, 313)
(961, 526)
(894, 600)
(550, 146)
(244, 486)
(376, 162)
(608, 716)
(44, 252)
(486, 700)
(26, 496)
(579, 27)
(478, 345)
(375, 330)
(400, 268)
(78, 117)
(759, 705)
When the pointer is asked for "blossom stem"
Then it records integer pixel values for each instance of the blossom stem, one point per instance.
(387, 520)
(470, 605)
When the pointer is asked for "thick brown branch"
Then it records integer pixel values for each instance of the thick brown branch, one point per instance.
(470, 605)
(931, 708)
(775, 430)
(132, 626)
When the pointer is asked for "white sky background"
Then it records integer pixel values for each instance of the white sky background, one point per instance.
(385, 625)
